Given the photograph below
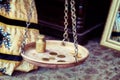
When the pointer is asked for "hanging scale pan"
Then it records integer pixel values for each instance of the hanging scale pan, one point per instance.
(57, 54)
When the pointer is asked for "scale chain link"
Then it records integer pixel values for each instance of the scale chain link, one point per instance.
(27, 26)
(65, 35)
(73, 17)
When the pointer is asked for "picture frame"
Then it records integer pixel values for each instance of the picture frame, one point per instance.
(111, 34)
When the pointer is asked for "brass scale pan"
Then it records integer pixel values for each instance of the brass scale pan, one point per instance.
(56, 55)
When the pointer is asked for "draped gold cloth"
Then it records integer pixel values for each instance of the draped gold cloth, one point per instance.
(19, 11)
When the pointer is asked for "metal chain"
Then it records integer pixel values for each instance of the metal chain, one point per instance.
(27, 26)
(73, 17)
(65, 35)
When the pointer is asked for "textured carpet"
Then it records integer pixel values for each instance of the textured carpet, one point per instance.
(102, 64)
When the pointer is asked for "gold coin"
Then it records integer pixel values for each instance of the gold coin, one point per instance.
(53, 53)
(61, 56)
(61, 61)
(45, 59)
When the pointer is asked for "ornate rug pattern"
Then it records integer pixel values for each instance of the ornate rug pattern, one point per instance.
(102, 64)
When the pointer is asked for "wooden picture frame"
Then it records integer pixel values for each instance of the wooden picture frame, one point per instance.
(111, 34)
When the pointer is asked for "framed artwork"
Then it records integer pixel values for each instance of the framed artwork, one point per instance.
(111, 33)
